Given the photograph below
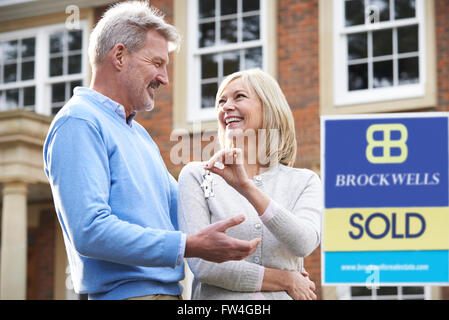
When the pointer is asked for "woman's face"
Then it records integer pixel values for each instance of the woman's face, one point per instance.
(240, 109)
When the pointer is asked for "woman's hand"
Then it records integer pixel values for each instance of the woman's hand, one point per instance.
(300, 287)
(228, 164)
(297, 284)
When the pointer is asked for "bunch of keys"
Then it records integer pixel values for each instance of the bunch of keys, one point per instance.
(208, 182)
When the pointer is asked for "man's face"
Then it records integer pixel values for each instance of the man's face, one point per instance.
(146, 71)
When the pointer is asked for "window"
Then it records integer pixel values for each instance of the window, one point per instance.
(379, 50)
(17, 80)
(65, 65)
(227, 36)
(40, 67)
(384, 293)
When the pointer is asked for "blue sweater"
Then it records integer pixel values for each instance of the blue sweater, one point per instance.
(115, 200)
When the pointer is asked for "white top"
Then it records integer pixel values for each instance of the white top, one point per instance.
(289, 228)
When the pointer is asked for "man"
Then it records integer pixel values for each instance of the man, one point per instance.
(115, 200)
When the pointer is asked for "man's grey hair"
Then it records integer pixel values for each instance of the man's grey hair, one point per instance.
(128, 23)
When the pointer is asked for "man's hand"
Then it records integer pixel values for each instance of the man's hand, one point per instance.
(214, 245)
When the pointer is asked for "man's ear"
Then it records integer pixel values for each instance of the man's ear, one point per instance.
(118, 53)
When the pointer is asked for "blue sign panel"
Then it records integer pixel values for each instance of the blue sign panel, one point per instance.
(353, 181)
(386, 196)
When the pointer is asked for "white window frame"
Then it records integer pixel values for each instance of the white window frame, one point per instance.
(42, 80)
(344, 97)
(11, 36)
(5, 3)
(344, 293)
(194, 110)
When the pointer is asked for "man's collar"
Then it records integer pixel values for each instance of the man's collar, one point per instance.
(108, 102)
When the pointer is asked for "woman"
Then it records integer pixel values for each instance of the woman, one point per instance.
(253, 175)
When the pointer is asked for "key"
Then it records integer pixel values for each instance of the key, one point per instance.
(207, 184)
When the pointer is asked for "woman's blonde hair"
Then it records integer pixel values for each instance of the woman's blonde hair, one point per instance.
(280, 143)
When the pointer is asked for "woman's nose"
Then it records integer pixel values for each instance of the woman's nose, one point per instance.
(228, 106)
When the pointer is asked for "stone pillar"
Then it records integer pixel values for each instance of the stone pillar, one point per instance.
(13, 267)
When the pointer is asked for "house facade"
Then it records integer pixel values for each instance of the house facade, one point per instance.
(329, 57)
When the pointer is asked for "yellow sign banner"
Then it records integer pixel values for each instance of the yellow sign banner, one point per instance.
(386, 229)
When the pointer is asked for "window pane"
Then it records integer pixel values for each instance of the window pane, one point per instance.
(358, 77)
(408, 71)
(360, 291)
(383, 74)
(12, 98)
(231, 62)
(28, 47)
(404, 9)
(251, 28)
(354, 12)
(412, 290)
(357, 46)
(75, 40)
(10, 50)
(229, 31)
(56, 67)
(382, 43)
(73, 85)
(54, 110)
(58, 92)
(75, 64)
(10, 72)
(207, 8)
(253, 58)
(250, 5)
(380, 10)
(228, 7)
(408, 39)
(208, 93)
(207, 34)
(29, 96)
(387, 291)
(209, 66)
(28, 70)
(56, 43)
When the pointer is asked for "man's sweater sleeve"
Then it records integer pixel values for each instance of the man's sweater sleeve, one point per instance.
(76, 163)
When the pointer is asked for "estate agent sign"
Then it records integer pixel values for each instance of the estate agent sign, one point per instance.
(386, 199)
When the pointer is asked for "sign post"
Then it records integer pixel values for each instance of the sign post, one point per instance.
(386, 199)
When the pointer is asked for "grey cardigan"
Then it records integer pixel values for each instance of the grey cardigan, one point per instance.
(290, 228)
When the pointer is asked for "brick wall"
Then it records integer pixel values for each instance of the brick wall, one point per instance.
(40, 258)
(298, 72)
(442, 36)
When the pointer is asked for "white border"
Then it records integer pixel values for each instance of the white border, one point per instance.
(323, 119)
